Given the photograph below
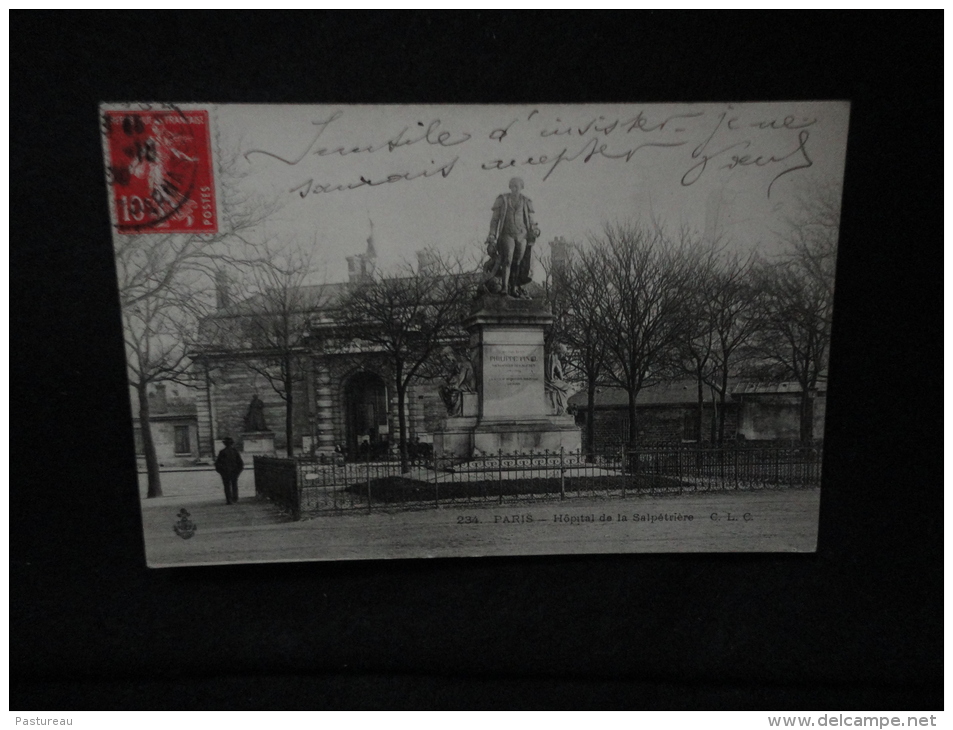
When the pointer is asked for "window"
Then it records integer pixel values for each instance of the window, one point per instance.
(183, 444)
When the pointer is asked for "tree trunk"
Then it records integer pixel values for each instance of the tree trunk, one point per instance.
(807, 415)
(148, 444)
(722, 412)
(633, 420)
(289, 410)
(591, 421)
(402, 427)
(700, 416)
(211, 415)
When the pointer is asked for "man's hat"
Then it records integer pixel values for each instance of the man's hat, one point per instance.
(227, 441)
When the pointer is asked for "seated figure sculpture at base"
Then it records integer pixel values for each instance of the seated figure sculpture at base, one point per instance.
(461, 380)
(255, 418)
(556, 386)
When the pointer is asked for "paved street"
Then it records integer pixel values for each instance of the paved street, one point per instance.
(257, 532)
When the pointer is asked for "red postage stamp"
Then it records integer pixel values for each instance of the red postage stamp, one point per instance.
(159, 163)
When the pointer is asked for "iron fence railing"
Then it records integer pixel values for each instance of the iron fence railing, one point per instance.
(277, 480)
(332, 485)
(738, 466)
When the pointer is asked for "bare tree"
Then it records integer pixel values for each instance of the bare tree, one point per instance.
(643, 276)
(276, 325)
(158, 330)
(163, 279)
(797, 300)
(409, 316)
(574, 288)
(730, 314)
(696, 349)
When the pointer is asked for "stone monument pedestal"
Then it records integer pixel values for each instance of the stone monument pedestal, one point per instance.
(261, 443)
(512, 412)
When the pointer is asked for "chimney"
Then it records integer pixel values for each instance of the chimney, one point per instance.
(223, 294)
(360, 267)
(426, 261)
(561, 252)
(356, 268)
(160, 403)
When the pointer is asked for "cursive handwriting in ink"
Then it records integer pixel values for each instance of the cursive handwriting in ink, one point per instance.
(601, 125)
(802, 138)
(309, 187)
(431, 134)
(789, 122)
(321, 126)
(500, 132)
(693, 174)
(595, 148)
(591, 149)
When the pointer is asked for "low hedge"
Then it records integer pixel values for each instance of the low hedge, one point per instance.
(404, 489)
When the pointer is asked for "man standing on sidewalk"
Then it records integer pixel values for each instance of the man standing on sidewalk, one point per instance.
(229, 465)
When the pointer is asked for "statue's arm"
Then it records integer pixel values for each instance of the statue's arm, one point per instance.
(532, 230)
(499, 207)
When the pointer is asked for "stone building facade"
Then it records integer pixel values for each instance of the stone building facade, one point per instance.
(668, 414)
(174, 425)
(343, 395)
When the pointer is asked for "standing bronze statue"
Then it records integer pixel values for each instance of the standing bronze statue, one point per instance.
(513, 231)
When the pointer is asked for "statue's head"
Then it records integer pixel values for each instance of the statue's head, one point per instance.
(516, 184)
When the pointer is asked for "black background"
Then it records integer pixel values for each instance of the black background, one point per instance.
(858, 625)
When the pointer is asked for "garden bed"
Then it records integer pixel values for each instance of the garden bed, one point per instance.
(396, 489)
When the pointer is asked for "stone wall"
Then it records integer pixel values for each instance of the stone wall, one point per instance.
(428, 411)
(163, 435)
(233, 385)
(777, 417)
(656, 424)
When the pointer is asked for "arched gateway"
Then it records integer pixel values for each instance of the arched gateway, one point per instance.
(365, 403)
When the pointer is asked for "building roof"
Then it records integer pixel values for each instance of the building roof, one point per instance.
(313, 297)
(174, 411)
(755, 388)
(682, 392)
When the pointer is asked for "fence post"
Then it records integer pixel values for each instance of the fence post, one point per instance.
(562, 475)
(298, 484)
(737, 484)
(501, 475)
(334, 482)
(436, 484)
(368, 469)
(623, 472)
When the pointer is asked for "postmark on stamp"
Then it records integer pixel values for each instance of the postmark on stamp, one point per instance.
(159, 163)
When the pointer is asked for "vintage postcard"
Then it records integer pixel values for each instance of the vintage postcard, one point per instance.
(364, 332)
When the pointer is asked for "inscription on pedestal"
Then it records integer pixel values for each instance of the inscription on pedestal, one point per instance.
(512, 379)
